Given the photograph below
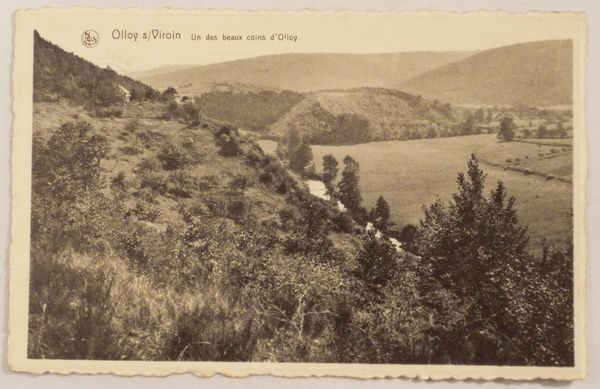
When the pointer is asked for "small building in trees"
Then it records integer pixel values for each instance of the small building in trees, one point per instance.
(124, 93)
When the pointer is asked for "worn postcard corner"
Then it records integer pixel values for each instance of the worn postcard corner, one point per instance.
(299, 194)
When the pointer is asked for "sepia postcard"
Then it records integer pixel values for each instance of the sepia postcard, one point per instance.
(299, 193)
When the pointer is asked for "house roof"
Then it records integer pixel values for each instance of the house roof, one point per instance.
(123, 89)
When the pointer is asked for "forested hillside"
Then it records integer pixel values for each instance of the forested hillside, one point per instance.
(58, 74)
(367, 114)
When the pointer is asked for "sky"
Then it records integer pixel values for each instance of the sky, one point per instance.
(336, 32)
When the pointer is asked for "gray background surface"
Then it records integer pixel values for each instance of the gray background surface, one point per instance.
(590, 7)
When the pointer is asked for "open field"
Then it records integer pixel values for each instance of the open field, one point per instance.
(543, 157)
(410, 174)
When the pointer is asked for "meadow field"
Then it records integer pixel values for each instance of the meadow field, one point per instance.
(412, 173)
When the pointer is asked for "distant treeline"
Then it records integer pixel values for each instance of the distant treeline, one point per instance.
(253, 111)
(58, 74)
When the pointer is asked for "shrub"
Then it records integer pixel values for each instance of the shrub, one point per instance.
(254, 157)
(207, 182)
(216, 205)
(118, 181)
(289, 216)
(214, 329)
(181, 183)
(172, 157)
(189, 113)
(153, 180)
(147, 165)
(266, 178)
(342, 222)
(146, 194)
(282, 188)
(408, 236)
(146, 211)
(132, 125)
(240, 182)
(188, 143)
(376, 260)
(238, 209)
(129, 150)
(229, 145)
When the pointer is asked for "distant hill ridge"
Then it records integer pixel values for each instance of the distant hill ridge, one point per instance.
(304, 72)
(532, 73)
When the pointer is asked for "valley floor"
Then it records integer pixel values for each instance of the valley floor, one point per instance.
(413, 173)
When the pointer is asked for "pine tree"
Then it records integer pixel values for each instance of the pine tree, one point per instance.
(474, 248)
(301, 157)
(330, 171)
(294, 140)
(381, 214)
(349, 192)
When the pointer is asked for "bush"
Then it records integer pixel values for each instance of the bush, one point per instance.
(214, 329)
(181, 183)
(118, 181)
(240, 182)
(188, 143)
(172, 157)
(289, 216)
(376, 260)
(132, 125)
(129, 150)
(207, 182)
(238, 209)
(282, 188)
(154, 181)
(229, 145)
(146, 211)
(343, 223)
(147, 165)
(266, 178)
(408, 236)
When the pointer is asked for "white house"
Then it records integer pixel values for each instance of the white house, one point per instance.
(124, 93)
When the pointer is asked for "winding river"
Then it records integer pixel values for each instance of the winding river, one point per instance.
(318, 189)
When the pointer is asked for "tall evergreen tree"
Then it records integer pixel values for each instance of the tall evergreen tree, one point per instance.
(330, 171)
(293, 141)
(380, 215)
(474, 248)
(349, 192)
(301, 157)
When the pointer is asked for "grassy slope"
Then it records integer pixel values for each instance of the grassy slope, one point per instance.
(533, 73)
(145, 321)
(48, 116)
(410, 174)
(307, 72)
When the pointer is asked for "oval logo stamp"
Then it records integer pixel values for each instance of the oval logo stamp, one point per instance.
(90, 38)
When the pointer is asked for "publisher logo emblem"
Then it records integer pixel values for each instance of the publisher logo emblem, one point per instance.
(90, 38)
